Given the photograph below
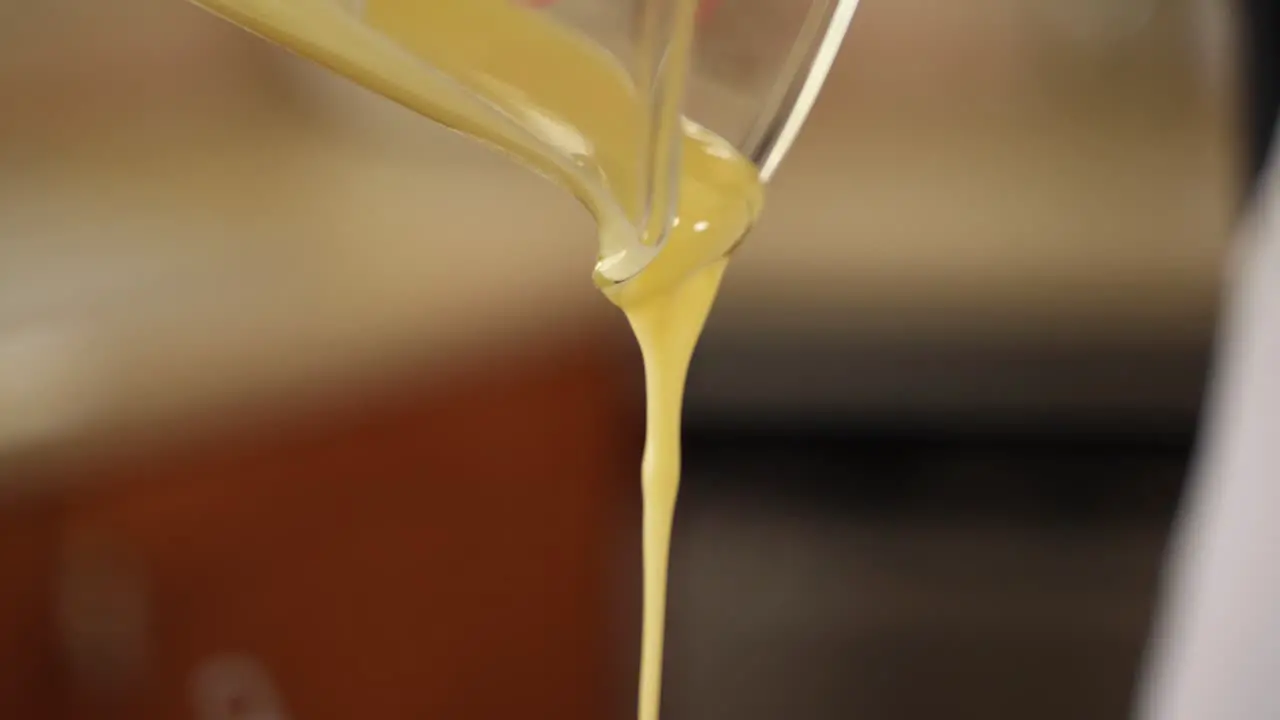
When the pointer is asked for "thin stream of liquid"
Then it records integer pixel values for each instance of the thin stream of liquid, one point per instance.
(562, 106)
(667, 306)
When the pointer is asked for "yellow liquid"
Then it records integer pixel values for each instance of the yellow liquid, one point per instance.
(564, 107)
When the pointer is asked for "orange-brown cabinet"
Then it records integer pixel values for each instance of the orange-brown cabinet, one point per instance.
(443, 551)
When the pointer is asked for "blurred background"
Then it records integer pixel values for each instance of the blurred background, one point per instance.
(308, 408)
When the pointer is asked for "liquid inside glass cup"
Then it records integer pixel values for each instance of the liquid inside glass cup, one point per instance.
(597, 94)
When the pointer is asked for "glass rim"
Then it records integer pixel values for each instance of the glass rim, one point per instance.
(787, 112)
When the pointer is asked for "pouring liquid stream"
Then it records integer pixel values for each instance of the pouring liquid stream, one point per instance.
(561, 105)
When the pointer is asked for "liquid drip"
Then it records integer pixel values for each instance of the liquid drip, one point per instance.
(555, 101)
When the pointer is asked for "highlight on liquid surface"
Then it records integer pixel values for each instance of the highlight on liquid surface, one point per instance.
(561, 105)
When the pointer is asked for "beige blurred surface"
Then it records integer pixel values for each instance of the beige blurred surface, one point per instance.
(989, 167)
(280, 256)
(182, 244)
(187, 217)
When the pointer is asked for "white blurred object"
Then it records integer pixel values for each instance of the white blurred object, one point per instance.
(1216, 653)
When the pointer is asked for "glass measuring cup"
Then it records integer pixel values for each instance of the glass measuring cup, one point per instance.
(749, 73)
